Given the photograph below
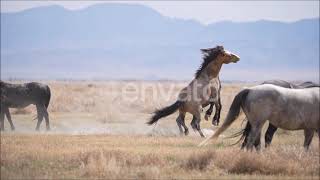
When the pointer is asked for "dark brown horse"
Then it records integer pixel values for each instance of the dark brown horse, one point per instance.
(22, 95)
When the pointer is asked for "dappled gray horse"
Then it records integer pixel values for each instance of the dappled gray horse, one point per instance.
(22, 95)
(271, 128)
(290, 109)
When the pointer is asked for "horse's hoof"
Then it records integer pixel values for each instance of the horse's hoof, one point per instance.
(186, 132)
(215, 120)
(215, 123)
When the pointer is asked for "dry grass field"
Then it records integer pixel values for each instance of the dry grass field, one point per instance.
(99, 131)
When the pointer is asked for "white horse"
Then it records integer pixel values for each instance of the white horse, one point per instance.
(290, 109)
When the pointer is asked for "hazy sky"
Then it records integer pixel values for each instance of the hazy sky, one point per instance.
(203, 11)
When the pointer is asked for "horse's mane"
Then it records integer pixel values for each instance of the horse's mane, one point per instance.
(209, 55)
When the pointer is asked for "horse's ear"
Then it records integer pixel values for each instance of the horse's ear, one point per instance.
(205, 50)
(220, 48)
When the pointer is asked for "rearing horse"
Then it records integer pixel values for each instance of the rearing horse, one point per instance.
(203, 90)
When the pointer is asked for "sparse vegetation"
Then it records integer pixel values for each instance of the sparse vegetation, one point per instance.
(119, 157)
(130, 149)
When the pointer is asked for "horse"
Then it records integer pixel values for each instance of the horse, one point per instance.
(202, 90)
(271, 128)
(290, 109)
(22, 95)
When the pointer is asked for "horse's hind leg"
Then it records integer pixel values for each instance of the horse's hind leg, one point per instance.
(40, 116)
(182, 116)
(245, 134)
(9, 118)
(308, 135)
(46, 116)
(257, 143)
(42, 113)
(2, 118)
(196, 123)
(269, 134)
(254, 135)
(179, 123)
(319, 136)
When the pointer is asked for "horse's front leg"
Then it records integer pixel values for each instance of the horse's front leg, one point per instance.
(180, 123)
(216, 117)
(209, 111)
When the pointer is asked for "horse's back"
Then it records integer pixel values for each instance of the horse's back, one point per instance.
(38, 88)
(308, 84)
(293, 108)
(311, 92)
(22, 95)
(281, 83)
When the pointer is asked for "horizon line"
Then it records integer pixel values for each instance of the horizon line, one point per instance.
(145, 6)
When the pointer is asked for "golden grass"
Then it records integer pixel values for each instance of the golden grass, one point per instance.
(136, 151)
(124, 157)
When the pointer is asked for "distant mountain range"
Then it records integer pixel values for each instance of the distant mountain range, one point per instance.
(119, 41)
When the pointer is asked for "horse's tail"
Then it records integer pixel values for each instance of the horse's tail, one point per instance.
(47, 97)
(244, 133)
(165, 112)
(233, 113)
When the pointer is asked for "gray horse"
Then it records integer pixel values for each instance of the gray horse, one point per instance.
(22, 95)
(290, 109)
(271, 128)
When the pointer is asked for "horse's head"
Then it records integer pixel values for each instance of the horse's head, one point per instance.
(220, 54)
(1, 83)
(215, 56)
